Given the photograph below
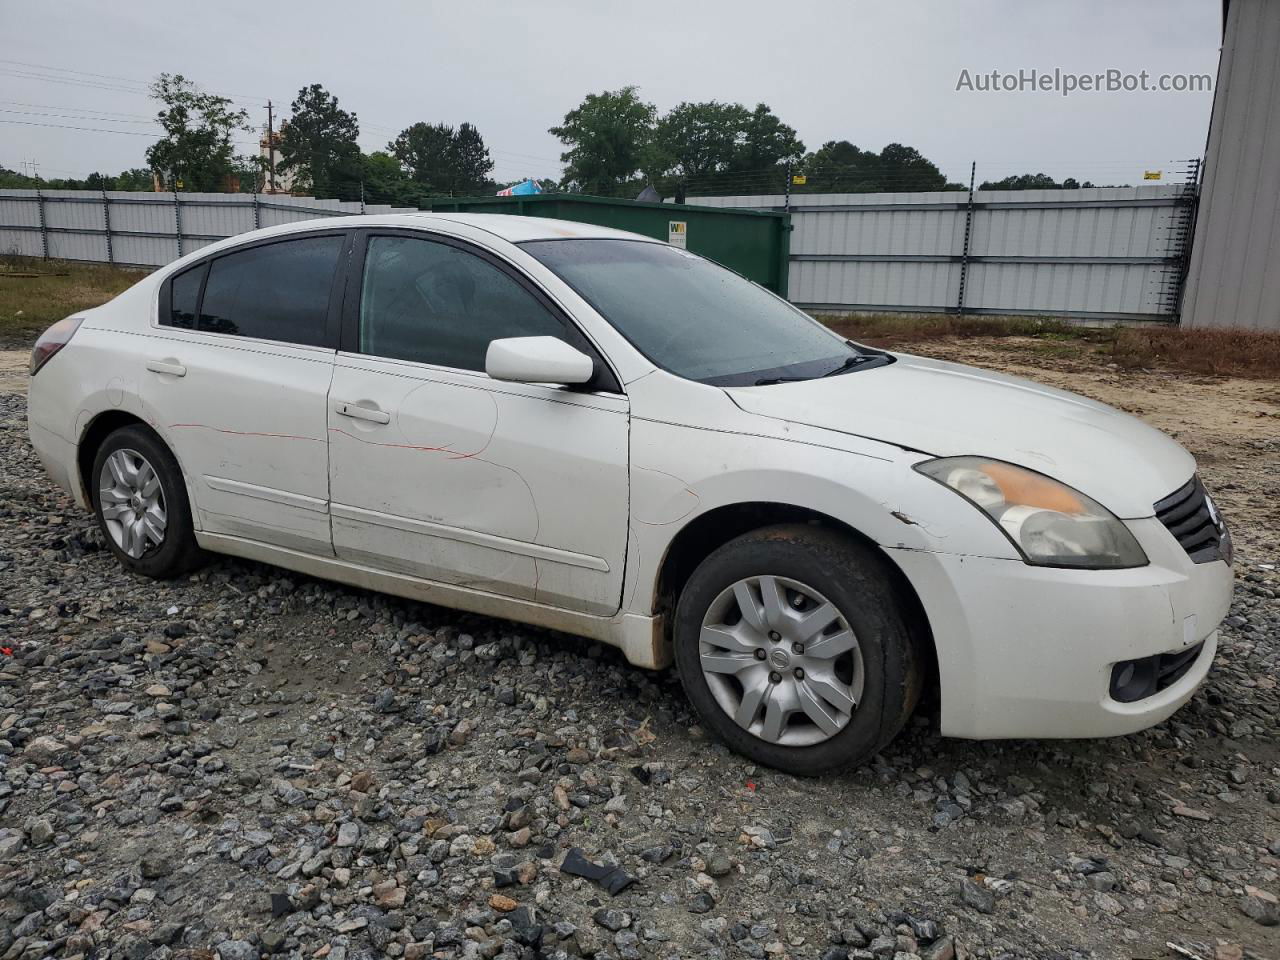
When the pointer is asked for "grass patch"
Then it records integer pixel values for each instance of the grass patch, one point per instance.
(886, 329)
(1224, 353)
(35, 293)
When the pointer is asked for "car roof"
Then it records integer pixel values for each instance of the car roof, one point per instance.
(517, 229)
(511, 228)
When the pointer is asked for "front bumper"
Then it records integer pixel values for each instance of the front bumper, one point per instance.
(1028, 651)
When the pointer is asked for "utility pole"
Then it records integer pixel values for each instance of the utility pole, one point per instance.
(271, 148)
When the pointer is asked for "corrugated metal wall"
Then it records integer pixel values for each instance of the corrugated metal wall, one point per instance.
(147, 229)
(1104, 252)
(1234, 276)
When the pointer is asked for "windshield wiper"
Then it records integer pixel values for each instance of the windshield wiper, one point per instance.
(771, 380)
(845, 364)
(849, 362)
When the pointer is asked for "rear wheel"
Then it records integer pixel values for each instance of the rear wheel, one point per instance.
(791, 644)
(141, 504)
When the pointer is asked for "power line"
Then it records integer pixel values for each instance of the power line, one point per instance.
(54, 106)
(68, 116)
(131, 133)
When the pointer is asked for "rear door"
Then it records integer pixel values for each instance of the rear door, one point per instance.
(440, 472)
(237, 372)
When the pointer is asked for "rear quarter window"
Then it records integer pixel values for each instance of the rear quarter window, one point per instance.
(184, 298)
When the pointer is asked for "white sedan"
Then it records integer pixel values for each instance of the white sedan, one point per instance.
(599, 433)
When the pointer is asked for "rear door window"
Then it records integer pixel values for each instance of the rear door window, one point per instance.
(277, 291)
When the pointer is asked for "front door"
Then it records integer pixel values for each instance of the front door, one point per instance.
(438, 471)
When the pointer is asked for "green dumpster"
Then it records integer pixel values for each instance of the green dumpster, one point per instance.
(754, 243)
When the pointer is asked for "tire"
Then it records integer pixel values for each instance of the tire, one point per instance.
(116, 503)
(823, 573)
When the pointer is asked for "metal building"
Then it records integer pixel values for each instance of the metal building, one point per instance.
(1234, 274)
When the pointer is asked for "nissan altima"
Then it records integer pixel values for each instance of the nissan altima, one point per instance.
(603, 434)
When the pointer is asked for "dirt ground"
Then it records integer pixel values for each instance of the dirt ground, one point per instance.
(13, 370)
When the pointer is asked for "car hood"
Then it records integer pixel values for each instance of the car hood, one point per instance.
(947, 409)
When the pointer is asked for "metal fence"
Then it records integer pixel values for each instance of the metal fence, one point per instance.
(1102, 253)
(1106, 253)
(146, 229)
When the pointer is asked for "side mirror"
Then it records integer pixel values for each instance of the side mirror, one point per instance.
(537, 360)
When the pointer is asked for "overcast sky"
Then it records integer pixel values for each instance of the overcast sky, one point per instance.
(868, 72)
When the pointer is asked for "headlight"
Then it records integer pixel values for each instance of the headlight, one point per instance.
(1049, 523)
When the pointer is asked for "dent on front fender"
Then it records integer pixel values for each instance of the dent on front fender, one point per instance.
(680, 473)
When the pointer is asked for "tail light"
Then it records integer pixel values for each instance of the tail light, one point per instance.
(53, 340)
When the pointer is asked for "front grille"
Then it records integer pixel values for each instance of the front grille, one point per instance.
(1189, 515)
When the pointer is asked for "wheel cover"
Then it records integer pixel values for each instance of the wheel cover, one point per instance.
(781, 661)
(131, 499)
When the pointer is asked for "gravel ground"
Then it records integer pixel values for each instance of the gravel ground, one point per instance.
(247, 762)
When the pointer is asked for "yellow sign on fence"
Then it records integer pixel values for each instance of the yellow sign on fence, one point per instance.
(1152, 175)
(799, 179)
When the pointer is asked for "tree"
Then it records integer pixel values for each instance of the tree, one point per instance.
(841, 167)
(607, 136)
(196, 149)
(717, 147)
(904, 169)
(423, 151)
(471, 162)
(318, 144)
(138, 178)
(696, 140)
(442, 160)
(766, 142)
(135, 178)
(384, 180)
(1033, 181)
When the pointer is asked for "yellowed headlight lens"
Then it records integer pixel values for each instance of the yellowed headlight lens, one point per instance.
(1026, 489)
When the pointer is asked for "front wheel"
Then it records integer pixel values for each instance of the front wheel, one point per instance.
(140, 501)
(791, 644)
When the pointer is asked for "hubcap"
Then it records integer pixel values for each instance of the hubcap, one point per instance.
(132, 502)
(781, 660)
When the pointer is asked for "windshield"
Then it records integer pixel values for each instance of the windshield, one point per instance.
(695, 318)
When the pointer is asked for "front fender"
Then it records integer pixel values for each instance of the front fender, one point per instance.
(680, 473)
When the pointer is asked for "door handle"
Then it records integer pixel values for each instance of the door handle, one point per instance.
(358, 412)
(167, 366)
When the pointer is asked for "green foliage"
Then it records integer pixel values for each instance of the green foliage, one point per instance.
(613, 136)
(196, 148)
(696, 140)
(318, 144)
(841, 167)
(443, 161)
(608, 136)
(135, 179)
(721, 147)
(472, 164)
(766, 142)
(1033, 181)
(384, 181)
